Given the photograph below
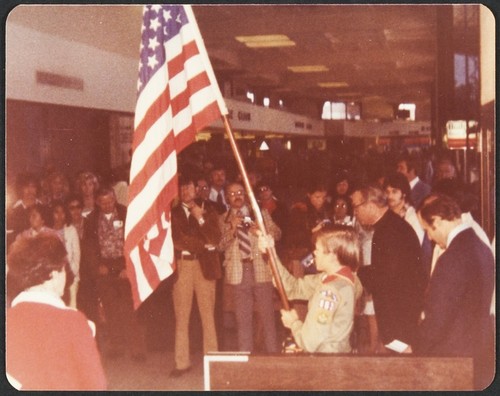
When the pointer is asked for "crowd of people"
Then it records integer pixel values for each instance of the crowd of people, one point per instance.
(373, 259)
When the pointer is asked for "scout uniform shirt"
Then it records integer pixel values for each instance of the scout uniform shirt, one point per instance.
(330, 317)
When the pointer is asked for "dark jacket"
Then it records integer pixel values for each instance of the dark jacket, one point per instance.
(419, 192)
(90, 249)
(457, 319)
(395, 278)
(188, 235)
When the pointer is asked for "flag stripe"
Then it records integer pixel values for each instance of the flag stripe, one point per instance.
(154, 90)
(178, 96)
(150, 157)
(149, 204)
(157, 109)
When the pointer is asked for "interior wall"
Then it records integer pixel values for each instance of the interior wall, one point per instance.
(109, 80)
(41, 135)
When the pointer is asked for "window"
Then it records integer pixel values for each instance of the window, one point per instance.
(250, 96)
(334, 111)
(410, 107)
(265, 102)
(353, 111)
(327, 111)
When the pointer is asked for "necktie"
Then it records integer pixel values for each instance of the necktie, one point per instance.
(220, 201)
(244, 241)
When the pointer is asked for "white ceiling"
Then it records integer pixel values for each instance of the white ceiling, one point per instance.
(381, 51)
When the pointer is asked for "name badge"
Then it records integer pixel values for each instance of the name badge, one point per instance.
(117, 224)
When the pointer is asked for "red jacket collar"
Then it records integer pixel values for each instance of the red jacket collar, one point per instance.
(344, 272)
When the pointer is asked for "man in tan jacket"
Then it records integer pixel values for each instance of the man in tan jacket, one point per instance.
(246, 271)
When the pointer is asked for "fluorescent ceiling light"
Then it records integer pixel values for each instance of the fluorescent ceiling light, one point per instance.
(333, 84)
(269, 40)
(308, 68)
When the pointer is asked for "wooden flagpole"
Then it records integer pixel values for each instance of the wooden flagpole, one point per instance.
(271, 252)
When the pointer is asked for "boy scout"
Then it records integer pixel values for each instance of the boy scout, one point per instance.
(332, 293)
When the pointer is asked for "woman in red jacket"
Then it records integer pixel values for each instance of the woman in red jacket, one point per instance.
(49, 346)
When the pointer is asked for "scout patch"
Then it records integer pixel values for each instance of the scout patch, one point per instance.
(327, 305)
(329, 294)
(322, 318)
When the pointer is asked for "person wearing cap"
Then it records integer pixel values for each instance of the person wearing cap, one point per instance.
(332, 293)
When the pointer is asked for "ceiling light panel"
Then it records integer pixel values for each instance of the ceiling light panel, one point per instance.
(266, 41)
(333, 84)
(308, 69)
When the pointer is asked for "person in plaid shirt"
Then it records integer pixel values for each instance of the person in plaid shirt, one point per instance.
(246, 271)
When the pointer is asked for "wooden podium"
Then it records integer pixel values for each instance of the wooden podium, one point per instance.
(239, 371)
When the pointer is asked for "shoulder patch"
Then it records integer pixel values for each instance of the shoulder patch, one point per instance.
(328, 293)
(328, 302)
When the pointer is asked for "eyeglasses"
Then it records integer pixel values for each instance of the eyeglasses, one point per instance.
(341, 206)
(203, 188)
(264, 188)
(358, 205)
(238, 193)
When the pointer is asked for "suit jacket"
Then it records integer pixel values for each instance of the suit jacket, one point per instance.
(419, 192)
(457, 321)
(90, 249)
(230, 246)
(190, 236)
(395, 278)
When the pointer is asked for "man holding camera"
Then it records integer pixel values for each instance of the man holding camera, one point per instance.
(246, 271)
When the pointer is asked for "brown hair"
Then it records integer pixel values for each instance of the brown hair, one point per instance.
(341, 240)
(32, 260)
(439, 205)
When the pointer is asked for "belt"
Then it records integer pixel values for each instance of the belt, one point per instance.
(184, 256)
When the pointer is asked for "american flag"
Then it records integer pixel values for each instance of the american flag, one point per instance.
(177, 96)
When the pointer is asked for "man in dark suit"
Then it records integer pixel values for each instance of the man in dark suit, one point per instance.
(419, 189)
(195, 233)
(457, 311)
(395, 277)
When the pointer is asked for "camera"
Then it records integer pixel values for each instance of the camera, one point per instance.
(309, 264)
(246, 222)
(307, 261)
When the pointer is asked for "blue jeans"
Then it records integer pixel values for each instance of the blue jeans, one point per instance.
(246, 294)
